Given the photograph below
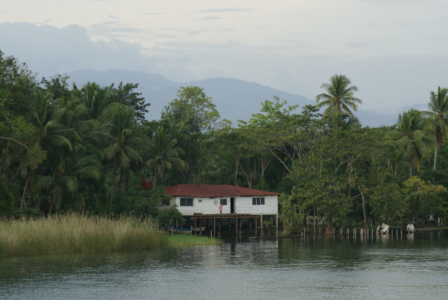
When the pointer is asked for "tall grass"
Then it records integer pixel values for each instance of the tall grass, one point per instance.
(179, 240)
(77, 233)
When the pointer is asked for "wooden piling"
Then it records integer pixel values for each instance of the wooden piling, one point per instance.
(214, 225)
(256, 227)
(276, 225)
(236, 225)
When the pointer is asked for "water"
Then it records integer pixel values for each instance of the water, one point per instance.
(409, 267)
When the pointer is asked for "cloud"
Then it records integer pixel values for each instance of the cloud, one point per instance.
(210, 18)
(359, 45)
(49, 50)
(113, 17)
(151, 14)
(396, 2)
(385, 82)
(225, 10)
(113, 28)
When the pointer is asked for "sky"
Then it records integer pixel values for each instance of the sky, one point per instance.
(395, 51)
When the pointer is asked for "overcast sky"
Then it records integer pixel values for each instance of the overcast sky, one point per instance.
(395, 51)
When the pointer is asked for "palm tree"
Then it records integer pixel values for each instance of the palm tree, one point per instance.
(339, 96)
(438, 108)
(66, 170)
(123, 137)
(163, 154)
(95, 98)
(410, 135)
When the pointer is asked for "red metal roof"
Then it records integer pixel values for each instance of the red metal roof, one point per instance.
(211, 190)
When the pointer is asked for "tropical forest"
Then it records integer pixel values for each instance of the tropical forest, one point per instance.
(68, 149)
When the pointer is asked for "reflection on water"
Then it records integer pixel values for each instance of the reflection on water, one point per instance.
(393, 267)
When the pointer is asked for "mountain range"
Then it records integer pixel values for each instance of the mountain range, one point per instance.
(235, 99)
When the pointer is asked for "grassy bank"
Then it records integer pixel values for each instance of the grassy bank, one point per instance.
(78, 233)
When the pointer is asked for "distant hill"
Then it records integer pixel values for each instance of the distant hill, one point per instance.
(235, 99)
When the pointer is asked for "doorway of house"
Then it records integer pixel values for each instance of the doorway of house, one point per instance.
(232, 205)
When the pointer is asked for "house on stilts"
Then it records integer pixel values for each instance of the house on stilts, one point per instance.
(241, 207)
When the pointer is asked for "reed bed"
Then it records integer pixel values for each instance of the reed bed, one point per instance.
(77, 233)
(180, 240)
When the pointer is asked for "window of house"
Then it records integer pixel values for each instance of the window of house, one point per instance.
(186, 201)
(257, 201)
(224, 201)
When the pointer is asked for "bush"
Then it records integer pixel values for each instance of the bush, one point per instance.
(140, 203)
(6, 201)
(169, 217)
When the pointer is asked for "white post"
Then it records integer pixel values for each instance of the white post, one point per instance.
(261, 225)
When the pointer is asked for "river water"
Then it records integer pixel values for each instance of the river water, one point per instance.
(317, 267)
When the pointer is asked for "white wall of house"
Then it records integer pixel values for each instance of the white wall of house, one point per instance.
(243, 205)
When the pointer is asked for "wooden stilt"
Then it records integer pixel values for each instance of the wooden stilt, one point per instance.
(241, 225)
(195, 226)
(214, 225)
(236, 225)
(256, 227)
(276, 225)
(261, 225)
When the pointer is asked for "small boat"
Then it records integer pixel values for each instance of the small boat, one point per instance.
(200, 229)
(184, 230)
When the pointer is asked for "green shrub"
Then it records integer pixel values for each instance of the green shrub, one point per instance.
(6, 201)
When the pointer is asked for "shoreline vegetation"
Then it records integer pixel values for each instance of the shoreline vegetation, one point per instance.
(73, 233)
(88, 148)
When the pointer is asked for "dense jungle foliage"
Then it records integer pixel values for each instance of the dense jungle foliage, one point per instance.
(86, 149)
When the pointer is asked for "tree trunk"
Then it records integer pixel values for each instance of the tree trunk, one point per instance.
(22, 203)
(127, 180)
(435, 159)
(38, 202)
(198, 160)
(410, 168)
(199, 170)
(155, 182)
(51, 206)
(363, 208)
(114, 172)
(120, 180)
(236, 173)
